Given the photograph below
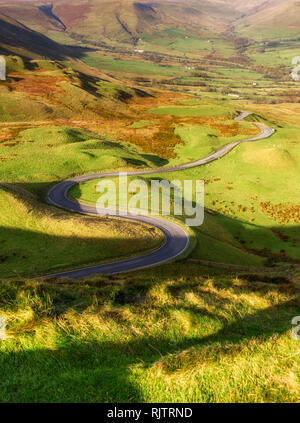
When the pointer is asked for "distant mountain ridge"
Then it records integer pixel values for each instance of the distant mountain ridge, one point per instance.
(118, 22)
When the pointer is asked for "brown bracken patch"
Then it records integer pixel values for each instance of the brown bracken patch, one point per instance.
(282, 213)
(38, 85)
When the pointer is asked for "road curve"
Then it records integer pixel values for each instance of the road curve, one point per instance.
(176, 238)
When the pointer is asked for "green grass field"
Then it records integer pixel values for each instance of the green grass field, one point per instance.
(282, 54)
(184, 43)
(131, 66)
(200, 141)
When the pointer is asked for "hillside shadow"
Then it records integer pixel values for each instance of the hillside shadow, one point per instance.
(21, 37)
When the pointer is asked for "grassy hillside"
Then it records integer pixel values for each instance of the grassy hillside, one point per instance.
(38, 157)
(51, 105)
(126, 21)
(162, 336)
(211, 29)
(251, 225)
(47, 90)
(36, 16)
(145, 24)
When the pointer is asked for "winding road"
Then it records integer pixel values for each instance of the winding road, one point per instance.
(176, 238)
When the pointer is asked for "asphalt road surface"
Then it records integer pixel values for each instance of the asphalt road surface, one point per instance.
(176, 238)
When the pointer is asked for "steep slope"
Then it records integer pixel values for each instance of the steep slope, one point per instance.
(128, 19)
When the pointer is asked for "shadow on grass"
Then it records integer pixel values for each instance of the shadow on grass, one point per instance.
(156, 160)
(31, 253)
